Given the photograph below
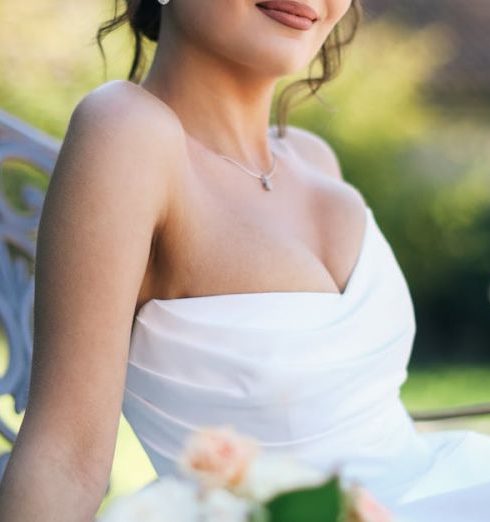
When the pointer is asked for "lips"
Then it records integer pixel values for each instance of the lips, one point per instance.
(290, 7)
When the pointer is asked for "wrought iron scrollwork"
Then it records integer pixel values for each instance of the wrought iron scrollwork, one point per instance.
(22, 147)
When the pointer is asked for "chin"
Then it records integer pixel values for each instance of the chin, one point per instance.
(286, 67)
(274, 61)
(279, 56)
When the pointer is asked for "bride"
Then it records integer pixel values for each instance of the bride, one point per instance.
(197, 266)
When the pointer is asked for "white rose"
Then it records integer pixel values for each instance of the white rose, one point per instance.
(166, 498)
(220, 505)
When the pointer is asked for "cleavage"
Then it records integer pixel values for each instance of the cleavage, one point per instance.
(218, 245)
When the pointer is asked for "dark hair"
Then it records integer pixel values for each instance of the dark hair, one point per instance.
(143, 17)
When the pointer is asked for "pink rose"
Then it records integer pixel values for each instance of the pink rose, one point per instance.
(218, 456)
(363, 507)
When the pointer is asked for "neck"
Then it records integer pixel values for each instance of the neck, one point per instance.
(221, 105)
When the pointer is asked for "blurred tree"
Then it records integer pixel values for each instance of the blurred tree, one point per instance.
(466, 76)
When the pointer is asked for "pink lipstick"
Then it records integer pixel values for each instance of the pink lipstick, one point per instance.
(290, 13)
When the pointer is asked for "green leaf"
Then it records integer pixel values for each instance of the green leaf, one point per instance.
(320, 503)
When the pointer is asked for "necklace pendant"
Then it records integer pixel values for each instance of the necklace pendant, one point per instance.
(266, 183)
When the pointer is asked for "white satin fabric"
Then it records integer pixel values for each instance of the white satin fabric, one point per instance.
(314, 374)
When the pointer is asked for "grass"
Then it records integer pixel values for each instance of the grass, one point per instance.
(448, 386)
(444, 386)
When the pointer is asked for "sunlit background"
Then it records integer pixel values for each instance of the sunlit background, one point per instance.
(409, 118)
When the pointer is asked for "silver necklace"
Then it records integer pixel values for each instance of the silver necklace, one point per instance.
(264, 178)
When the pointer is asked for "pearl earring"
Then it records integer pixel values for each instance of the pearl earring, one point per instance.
(163, 2)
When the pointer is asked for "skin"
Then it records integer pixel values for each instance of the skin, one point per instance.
(137, 198)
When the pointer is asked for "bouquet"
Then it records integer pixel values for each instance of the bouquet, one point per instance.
(232, 480)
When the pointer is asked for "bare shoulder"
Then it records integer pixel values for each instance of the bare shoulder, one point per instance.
(125, 99)
(132, 132)
(316, 149)
(319, 152)
(127, 111)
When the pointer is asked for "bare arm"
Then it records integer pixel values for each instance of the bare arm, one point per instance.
(100, 213)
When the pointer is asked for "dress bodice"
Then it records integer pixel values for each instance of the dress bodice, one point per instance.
(312, 373)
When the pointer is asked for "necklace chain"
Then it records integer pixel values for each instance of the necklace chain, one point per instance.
(264, 178)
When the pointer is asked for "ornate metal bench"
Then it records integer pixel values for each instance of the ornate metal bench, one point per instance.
(26, 148)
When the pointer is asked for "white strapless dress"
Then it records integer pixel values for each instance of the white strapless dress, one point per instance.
(312, 373)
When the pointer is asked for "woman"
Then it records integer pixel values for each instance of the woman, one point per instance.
(195, 266)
